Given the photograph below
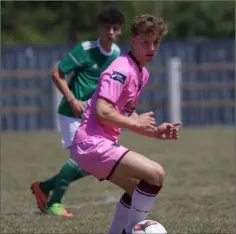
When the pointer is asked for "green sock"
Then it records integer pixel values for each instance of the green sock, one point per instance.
(69, 172)
(48, 185)
(80, 174)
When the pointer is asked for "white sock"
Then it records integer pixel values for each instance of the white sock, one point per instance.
(142, 201)
(120, 218)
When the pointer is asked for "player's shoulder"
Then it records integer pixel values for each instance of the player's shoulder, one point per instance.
(116, 48)
(119, 69)
(121, 63)
(122, 59)
(88, 45)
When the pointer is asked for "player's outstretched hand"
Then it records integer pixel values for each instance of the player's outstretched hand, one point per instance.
(168, 131)
(78, 107)
(146, 121)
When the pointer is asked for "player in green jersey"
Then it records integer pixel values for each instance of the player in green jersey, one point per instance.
(85, 62)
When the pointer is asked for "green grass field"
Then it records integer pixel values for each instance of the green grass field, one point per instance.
(198, 194)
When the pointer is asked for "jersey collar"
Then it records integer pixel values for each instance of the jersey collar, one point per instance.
(102, 50)
(135, 60)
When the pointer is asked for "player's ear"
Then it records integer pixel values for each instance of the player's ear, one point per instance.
(100, 27)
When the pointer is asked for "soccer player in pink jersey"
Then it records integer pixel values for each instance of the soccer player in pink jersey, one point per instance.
(112, 107)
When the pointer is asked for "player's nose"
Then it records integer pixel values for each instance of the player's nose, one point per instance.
(111, 31)
(151, 47)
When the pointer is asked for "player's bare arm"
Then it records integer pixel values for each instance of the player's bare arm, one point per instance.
(166, 131)
(107, 114)
(58, 78)
(149, 132)
(134, 115)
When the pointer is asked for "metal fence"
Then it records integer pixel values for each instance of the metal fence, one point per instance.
(208, 84)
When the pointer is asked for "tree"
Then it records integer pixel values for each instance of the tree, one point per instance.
(53, 22)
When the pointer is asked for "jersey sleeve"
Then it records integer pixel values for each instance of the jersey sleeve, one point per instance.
(112, 85)
(74, 59)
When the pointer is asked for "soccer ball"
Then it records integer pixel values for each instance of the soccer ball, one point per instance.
(148, 226)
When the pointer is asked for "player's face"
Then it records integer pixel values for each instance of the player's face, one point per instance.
(146, 47)
(109, 32)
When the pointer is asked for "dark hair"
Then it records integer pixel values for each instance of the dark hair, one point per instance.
(111, 16)
(148, 24)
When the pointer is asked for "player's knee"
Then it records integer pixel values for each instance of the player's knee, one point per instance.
(158, 175)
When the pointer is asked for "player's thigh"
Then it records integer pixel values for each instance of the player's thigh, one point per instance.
(138, 167)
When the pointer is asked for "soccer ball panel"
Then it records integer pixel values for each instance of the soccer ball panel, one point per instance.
(149, 227)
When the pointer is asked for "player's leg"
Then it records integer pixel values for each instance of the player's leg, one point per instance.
(151, 177)
(99, 157)
(59, 183)
(107, 160)
(70, 172)
(123, 205)
(41, 190)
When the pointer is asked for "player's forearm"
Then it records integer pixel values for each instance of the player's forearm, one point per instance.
(108, 115)
(147, 133)
(116, 120)
(134, 115)
(62, 85)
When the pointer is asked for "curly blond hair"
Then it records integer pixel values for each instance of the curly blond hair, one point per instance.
(148, 25)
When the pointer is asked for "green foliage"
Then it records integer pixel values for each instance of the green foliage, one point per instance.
(54, 22)
(200, 18)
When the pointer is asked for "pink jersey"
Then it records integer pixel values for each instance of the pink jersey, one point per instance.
(120, 84)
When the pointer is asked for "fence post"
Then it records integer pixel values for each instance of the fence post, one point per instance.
(174, 89)
(57, 96)
(1, 104)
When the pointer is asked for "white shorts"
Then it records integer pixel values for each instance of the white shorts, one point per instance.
(68, 127)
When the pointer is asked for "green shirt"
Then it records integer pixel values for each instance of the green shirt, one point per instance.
(85, 63)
